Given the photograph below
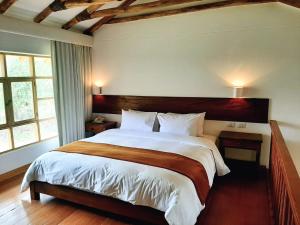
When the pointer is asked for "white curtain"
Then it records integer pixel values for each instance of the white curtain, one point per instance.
(72, 71)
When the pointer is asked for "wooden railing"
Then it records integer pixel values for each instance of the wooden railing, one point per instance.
(285, 181)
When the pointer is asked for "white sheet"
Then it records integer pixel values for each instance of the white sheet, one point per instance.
(138, 184)
(210, 137)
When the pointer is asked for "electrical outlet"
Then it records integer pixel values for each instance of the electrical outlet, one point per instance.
(242, 125)
(231, 124)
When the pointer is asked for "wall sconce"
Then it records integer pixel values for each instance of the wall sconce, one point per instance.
(97, 90)
(238, 91)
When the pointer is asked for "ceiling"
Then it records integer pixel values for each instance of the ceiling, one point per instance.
(29, 9)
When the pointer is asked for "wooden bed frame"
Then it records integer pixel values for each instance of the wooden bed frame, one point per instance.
(284, 183)
(143, 214)
(230, 109)
(253, 110)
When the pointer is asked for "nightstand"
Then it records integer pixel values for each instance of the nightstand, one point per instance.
(249, 141)
(96, 128)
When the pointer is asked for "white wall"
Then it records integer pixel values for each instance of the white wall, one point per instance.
(202, 53)
(15, 159)
(20, 157)
(31, 29)
(19, 43)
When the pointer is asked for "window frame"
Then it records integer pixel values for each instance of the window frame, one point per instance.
(8, 100)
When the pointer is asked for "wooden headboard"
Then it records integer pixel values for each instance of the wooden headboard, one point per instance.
(226, 109)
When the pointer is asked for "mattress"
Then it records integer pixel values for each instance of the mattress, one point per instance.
(135, 183)
(210, 137)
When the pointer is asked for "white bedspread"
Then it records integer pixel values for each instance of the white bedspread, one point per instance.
(138, 184)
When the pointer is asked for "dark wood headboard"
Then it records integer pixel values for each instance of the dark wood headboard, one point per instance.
(226, 109)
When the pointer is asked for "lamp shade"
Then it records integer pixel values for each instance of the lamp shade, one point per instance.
(238, 92)
(97, 90)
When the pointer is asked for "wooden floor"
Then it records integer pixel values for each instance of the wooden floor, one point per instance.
(234, 200)
(239, 199)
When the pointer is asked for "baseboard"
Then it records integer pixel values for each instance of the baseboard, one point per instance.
(13, 173)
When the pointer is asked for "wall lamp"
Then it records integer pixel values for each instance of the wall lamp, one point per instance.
(97, 90)
(238, 91)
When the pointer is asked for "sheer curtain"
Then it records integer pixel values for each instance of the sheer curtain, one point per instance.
(72, 70)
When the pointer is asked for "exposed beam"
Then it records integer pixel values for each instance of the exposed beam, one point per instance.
(5, 4)
(81, 16)
(294, 3)
(106, 19)
(53, 7)
(140, 8)
(214, 5)
(78, 3)
(58, 5)
(97, 25)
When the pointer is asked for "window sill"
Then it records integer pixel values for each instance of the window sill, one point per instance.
(26, 146)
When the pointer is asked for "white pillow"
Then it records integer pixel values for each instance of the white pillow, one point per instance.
(200, 132)
(137, 120)
(156, 123)
(183, 124)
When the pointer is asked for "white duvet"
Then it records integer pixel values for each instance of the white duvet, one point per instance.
(138, 184)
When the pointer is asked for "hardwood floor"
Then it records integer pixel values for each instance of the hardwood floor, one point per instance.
(239, 199)
(234, 200)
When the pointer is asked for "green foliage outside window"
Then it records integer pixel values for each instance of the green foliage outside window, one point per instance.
(27, 109)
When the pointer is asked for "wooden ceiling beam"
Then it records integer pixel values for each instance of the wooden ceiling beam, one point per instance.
(140, 8)
(106, 19)
(214, 5)
(81, 16)
(5, 4)
(294, 3)
(58, 5)
(79, 3)
(53, 7)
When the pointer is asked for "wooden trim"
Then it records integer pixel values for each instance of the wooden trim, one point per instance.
(285, 181)
(106, 204)
(293, 3)
(34, 194)
(224, 109)
(54, 6)
(79, 3)
(13, 173)
(58, 5)
(5, 4)
(106, 19)
(139, 8)
(214, 5)
(83, 15)
(97, 25)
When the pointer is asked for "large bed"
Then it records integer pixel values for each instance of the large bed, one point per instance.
(164, 190)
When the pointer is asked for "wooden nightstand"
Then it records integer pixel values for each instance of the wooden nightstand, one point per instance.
(249, 141)
(96, 128)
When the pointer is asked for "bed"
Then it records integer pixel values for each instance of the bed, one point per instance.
(149, 191)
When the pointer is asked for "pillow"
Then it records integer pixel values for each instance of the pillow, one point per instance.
(156, 123)
(137, 120)
(183, 124)
(200, 132)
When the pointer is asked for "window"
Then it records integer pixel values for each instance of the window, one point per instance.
(27, 110)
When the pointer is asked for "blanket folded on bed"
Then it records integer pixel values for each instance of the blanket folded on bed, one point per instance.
(190, 168)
